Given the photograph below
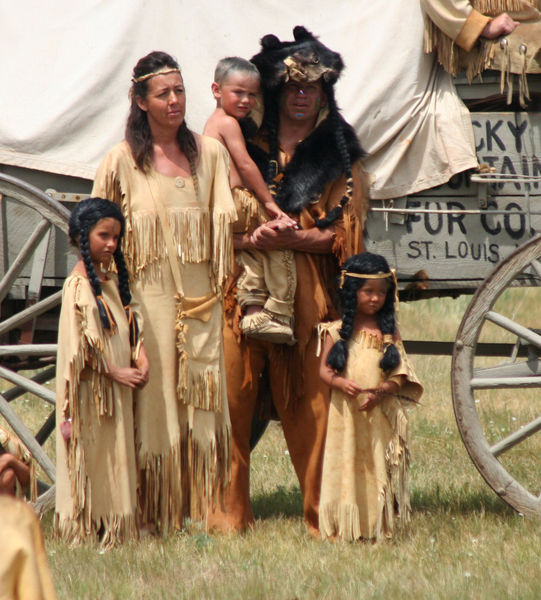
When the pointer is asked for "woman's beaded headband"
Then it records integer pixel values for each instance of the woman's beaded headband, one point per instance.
(162, 71)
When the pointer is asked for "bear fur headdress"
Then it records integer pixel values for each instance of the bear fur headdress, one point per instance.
(304, 60)
(330, 149)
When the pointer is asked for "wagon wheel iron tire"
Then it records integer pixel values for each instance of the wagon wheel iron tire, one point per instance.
(24, 259)
(467, 380)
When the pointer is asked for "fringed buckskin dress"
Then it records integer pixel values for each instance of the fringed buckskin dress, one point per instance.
(181, 415)
(364, 491)
(96, 474)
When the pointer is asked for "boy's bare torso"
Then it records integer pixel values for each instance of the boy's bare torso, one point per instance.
(213, 128)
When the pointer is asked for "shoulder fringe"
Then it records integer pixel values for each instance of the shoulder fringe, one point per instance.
(323, 329)
(394, 510)
(113, 529)
(144, 243)
(90, 354)
(204, 474)
(350, 241)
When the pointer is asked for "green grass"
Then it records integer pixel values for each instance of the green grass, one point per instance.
(463, 542)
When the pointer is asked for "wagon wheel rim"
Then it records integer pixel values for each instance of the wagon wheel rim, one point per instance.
(46, 216)
(467, 380)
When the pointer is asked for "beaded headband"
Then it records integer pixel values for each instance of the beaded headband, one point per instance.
(344, 274)
(381, 275)
(162, 71)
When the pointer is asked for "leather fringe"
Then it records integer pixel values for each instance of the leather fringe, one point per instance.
(222, 247)
(112, 529)
(201, 388)
(167, 499)
(90, 357)
(144, 244)
(394, 508)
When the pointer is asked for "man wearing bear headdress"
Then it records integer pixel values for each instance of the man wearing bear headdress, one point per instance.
(310, 158)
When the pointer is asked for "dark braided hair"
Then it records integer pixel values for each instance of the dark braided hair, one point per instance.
(272, 122)
(138, 133)
(341, 145)
(368, 264)
(83, 219)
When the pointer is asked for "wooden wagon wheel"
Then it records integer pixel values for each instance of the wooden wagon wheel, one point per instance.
(33, 226)
(498, 406)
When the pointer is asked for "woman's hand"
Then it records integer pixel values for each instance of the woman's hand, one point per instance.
(142, 363)
(128, 376)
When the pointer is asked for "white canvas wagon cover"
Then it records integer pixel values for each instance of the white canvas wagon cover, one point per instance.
(66, 70)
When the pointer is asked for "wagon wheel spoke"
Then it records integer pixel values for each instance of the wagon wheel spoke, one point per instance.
(23, 257)
(34, 260)
(516, 374)
(27, 438)
(509, 325)
(31, 313)
(517, 437)
(536, 265)
(496, 405)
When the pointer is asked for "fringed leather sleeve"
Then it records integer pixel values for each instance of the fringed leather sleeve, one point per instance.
(223, 215)
(348, 229)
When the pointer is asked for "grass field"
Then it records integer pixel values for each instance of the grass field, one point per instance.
(463, 542)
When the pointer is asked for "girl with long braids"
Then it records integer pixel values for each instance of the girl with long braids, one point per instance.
(364, 489)
(173, 188)
(100, 361)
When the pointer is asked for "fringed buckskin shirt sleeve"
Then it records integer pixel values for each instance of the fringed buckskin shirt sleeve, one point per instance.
(453, 30)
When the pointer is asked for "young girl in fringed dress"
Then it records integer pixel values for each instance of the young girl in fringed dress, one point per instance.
(100, 361)
(364, 490)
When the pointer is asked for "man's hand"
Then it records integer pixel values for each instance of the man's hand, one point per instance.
(277, 235)
(275, 212)
(274, 235)
(501, 25)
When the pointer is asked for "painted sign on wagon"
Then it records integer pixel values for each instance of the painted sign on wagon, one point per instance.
(458, 232)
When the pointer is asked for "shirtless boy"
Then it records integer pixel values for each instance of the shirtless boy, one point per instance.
(266, 288)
